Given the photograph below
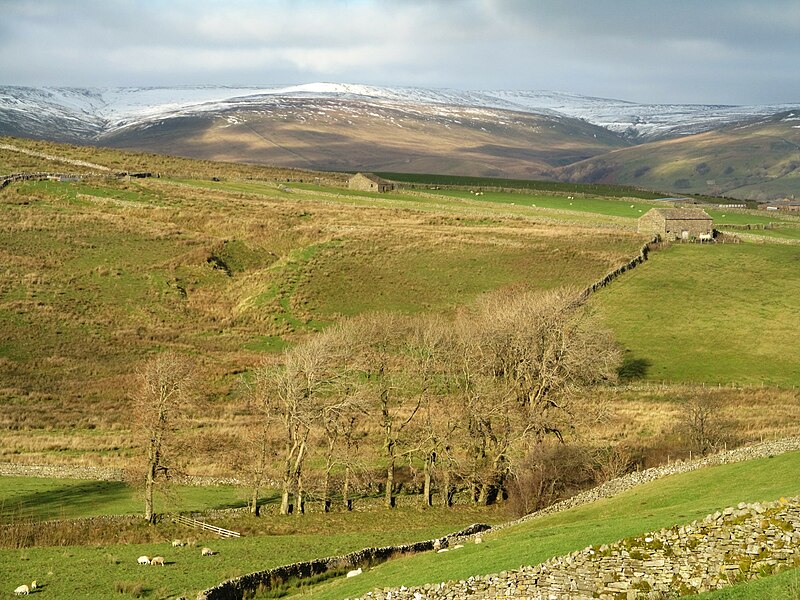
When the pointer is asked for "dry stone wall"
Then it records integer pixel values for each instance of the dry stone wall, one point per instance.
(238, 588)
(505, 584)
(612, 275)
(731, 546)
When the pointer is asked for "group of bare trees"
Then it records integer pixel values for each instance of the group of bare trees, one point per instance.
(463, 400)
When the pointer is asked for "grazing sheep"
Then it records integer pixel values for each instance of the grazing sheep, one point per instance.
(478, 539)
(157, 560)
(23, 589)
(178, 543)
(354, 572)
(207, 552)
(34, 585)
(143, 560)
(437, 545)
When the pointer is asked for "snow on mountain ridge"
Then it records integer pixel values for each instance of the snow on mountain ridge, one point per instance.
(97, 111)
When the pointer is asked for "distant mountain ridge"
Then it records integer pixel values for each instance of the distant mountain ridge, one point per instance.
(530, 134)
(93, 112)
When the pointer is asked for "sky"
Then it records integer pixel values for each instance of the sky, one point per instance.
(653, 51)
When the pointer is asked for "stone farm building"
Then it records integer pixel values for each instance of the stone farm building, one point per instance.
(367, 182)
(676, 223)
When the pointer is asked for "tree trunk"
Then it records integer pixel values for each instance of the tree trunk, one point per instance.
(299, 498)
(148, 492)
(326, 496)
(346, 489)
(389, 498)
(285, 506)
(326, 484)
(447, 497)
(254, 501)
(483, 496)
(259, 475)
(427, 494)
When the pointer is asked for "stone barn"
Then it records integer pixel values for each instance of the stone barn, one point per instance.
(367, 182)
(676, 223)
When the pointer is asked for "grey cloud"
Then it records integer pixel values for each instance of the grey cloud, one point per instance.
(732, 51)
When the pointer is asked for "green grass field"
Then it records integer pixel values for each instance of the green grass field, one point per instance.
(713, 314)
(45, 498)
(524, 184)
(670, 501)
(93, 572)
(96, 569)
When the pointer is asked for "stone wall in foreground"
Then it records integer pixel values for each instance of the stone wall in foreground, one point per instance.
(731, 546)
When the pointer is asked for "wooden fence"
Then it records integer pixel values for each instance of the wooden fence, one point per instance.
(189, 522)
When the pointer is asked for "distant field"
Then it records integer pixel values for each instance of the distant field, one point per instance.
(783, 233)
(523, 184)
(599, 206)
(714, 314)
(670, 501)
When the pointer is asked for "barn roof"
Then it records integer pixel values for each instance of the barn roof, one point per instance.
(683, 214)
(371, 177)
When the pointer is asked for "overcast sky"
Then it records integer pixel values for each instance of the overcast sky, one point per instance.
(703, 51)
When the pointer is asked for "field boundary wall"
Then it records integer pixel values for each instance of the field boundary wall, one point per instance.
(239, 587)
(730, 546)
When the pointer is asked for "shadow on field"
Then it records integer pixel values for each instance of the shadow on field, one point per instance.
(76, 500)
(634, 368)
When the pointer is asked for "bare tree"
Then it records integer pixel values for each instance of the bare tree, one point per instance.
(537, 351)
(546, 347)
(340, 415)
(702, 424)
(164, 383)
(377, 341)
(259, 452)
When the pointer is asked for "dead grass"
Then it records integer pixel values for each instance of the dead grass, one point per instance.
(98, 275)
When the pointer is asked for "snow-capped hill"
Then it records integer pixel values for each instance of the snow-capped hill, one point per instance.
(89, 114)
(639, 121)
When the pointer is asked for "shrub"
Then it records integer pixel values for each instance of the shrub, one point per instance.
(133, 588)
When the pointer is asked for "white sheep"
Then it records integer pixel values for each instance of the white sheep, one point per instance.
(143, 560)
(157, 560)
(478, 539)
(178, 543)
(354, 572)
(23, 589)
(34, 585)
(207, 552)
(437, 545)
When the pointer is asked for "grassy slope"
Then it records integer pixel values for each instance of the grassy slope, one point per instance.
(102, 273)
(713, 314)
(674, 500)
(757, 161)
